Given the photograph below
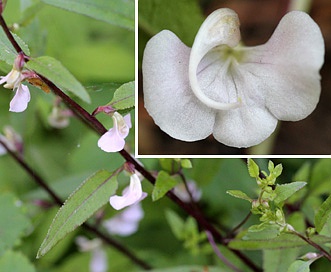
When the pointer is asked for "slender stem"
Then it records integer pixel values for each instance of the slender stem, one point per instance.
(312, 243)
(219, 253)
(93, 123)
(19, 159)
(57, 200)
(9, 35)
(241, 223)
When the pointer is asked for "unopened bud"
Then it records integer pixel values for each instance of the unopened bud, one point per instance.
(2, 5)
(106, 109)
(19, 62)
(129, 167)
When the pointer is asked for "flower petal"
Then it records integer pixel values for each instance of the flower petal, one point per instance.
(288, 67)
(221, 28)
(131, 196)
(21, 99)
(127, 119)
(244, 127)
(167, 92)
(98, 261)
(111, 141)
(125, 223)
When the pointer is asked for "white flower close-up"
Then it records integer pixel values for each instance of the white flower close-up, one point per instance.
(13, 80)
(113, 139)
(131, 194)
(234, 92)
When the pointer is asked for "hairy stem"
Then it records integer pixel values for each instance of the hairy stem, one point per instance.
(57, 200)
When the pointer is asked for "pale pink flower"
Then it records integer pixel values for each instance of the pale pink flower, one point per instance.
(181, 192)
(13, 80)
(126, 222)
(113, 140)
(131, 194)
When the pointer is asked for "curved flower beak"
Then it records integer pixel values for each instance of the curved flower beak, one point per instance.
(113, 140)
(236, 93)
(131, 194)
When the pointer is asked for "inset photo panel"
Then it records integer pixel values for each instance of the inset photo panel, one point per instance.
(233, 78)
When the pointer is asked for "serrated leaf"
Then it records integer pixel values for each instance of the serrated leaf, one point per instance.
(116, 12)
(53, 70)
(239, 194)
(124, 97)
(277, 171)
(284, 240)
(13, 222)
(300, 266)
(284, 191)
(164, 182)
(15, 261)
(7, 51)
(253, 168)
(323, 214)
(89, 197)
(271, 166)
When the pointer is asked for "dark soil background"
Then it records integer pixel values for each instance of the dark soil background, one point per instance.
(311, 136)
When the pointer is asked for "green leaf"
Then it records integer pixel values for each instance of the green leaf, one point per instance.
(172, 166)
(181, 17)
(277, 171)
(13, 222)
(92, 194)
(176, 223)
(262, 231)
(239, 194)
(53, 70)
(15, 261)
(124, 97)
(271, 166)
(284, 191)
(164, 183)
(279, 259)
(253, 168)
(7, 51)
(300, 266)
(323, 214)
(284, 240)
(116, 12)
(186, 163)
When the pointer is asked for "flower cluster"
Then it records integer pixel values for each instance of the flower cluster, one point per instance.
(236, 93)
